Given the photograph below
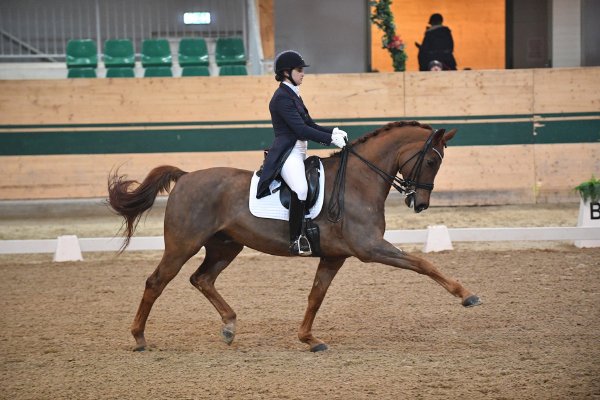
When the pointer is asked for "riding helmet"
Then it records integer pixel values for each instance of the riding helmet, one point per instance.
(287, 60)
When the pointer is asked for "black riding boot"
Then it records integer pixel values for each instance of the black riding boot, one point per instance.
(299, 244)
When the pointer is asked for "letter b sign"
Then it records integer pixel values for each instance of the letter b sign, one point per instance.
(589, 216)
(594, 210)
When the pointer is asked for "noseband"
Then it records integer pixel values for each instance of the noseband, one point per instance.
(406, 187)
(411, 184)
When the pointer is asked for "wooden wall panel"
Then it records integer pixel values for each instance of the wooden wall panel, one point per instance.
(85, 176)
(469, 93)
(470, 175)
(354, 95)
(487, 175)
(475, 175)
(520, 174)
(566, 90)
(559, 168)
(81, 101)
(65, 101)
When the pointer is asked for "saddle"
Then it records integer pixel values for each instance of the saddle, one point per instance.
(311, 170)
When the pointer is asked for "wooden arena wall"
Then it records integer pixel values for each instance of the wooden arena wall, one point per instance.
(524, 136)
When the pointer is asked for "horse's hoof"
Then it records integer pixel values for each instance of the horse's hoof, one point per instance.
(228, 334)
(472, 301)
(319, 347)
(139, 347)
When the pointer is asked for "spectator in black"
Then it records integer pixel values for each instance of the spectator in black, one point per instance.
(437, 45)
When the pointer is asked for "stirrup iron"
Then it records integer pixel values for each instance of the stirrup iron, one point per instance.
(301, 247)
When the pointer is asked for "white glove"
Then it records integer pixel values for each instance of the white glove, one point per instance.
(337, 130)
(338, 139)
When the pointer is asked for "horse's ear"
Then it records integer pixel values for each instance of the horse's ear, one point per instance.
(448, 136)
(441, 137)
(438, 136)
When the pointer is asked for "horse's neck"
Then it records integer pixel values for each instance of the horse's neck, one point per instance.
(382, 152)
(386, 161)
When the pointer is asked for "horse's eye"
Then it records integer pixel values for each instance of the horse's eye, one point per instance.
(430, 162)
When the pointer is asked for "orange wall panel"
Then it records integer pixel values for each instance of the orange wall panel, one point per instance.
(478, 29)
(267, 28)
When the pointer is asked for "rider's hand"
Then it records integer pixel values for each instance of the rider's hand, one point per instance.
(337, 130)
(338, 139)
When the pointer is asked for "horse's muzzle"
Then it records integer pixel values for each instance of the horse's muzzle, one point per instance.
(421, 207)
(410, 203)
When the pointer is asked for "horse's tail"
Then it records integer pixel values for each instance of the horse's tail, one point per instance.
(132, 203)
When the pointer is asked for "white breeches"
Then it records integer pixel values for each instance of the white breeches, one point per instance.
(292, 171)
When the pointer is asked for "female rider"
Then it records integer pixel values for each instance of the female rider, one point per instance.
(293, 127)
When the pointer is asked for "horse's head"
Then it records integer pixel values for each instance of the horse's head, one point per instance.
(420, 168)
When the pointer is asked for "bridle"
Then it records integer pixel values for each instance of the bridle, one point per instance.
(407, 187)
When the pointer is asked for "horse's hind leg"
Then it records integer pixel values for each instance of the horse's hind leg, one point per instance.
(219, 254)
(169, 266)
(326, 271)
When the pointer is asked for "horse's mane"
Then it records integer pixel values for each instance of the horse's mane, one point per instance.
(386, 127)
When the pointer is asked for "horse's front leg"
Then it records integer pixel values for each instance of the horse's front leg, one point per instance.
(385, 253)
(326, 271)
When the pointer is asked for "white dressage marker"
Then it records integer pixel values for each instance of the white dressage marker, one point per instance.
(67, 249)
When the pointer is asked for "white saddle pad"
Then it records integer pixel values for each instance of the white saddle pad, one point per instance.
(270, 206)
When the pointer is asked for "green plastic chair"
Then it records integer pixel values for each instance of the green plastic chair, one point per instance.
(119, 53)
(120, 72)
(230, 51)
(193, 52)
(230, 70)
(156, 53)
(81, 73)
(82, 53)
(195, 71)
(151, 72)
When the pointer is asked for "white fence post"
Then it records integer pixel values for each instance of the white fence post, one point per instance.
(589, 216)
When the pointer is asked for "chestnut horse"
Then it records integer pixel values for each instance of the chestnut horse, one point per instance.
(209, 208)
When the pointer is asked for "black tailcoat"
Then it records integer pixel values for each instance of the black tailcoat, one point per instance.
(437, 45)
(291, 122)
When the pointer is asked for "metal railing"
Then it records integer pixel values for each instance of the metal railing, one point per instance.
(33, 30)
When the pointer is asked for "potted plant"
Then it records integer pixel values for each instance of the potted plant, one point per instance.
(383, 18)
(589, 191)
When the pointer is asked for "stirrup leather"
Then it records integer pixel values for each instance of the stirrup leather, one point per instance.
(301, 246)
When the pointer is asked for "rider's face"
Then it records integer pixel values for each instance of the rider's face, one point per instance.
(298, 75)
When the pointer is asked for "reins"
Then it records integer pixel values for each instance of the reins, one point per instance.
(335, 208)
(406, 187)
